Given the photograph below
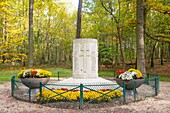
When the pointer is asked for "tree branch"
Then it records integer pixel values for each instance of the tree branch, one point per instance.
(109, 11)
(160, 37)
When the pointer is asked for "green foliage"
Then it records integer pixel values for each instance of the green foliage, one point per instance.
(55, 27)
(106, 53)
(11, 41)
(157, 13)
(159, 5)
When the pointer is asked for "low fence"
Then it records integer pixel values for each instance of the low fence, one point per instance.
(84, 96)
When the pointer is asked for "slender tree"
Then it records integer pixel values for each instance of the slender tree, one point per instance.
(78, 33)
(30, 36)
(110, 9)
(140, 36)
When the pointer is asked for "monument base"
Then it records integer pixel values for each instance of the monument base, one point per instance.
(85, 81)
(92, 83)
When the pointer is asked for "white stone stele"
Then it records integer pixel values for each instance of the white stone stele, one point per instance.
(85, 58)
(85, 64)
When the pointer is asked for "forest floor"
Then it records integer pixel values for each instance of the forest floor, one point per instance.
(162, 70)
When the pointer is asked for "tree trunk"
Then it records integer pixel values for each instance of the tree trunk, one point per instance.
(5, 30)
(140, 37)
(30, 36)
(168, 50)
(162, 54)
(78, 33)
(152, 55)
(121, 47)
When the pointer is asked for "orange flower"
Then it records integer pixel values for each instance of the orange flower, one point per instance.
(33, 72)
(118, 72)
(64, 89)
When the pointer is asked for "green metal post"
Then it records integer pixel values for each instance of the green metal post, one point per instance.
(81, 96)
(124, 92)
(156, 87)
(158, 83)
(58, 75)
(114, 73)
(134, 91)
(148, 78)
(12, 85)
(41, 99)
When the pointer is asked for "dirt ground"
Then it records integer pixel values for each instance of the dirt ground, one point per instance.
(158, 104)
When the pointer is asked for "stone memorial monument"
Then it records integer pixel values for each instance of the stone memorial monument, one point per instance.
(85, 63)
(85, 58)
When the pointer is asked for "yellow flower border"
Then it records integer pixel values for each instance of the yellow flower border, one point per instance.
(75, 95)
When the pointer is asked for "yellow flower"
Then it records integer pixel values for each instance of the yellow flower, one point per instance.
(20, 73)
(1, 61)
(139, 74)
(30, 73)
(90, 95)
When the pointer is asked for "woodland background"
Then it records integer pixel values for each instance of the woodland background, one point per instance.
(55, 28)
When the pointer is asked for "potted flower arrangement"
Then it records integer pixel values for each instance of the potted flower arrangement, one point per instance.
(32, 77)
(130, 77)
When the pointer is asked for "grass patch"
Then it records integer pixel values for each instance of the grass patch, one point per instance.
(61, 72)
(165, 78)
(5, 75)
(105, 73)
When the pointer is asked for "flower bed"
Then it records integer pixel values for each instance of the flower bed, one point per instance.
(74, 95)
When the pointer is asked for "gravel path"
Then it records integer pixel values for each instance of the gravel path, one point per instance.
(158, 104)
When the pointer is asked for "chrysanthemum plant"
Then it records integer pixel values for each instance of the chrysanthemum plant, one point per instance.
(34, 73)
(130, 74)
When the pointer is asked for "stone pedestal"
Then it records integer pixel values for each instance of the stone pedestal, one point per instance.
(85, 58)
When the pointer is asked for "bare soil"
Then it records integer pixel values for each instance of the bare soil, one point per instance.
(157, 104)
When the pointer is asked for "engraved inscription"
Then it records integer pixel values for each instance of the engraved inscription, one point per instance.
(85, 60)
